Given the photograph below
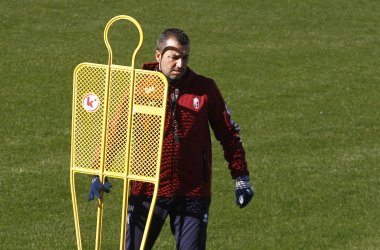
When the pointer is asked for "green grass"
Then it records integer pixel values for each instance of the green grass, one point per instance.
(300, 77)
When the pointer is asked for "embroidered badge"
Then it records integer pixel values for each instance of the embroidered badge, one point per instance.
(196, 103)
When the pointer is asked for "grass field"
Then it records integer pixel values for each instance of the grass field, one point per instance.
(301, 78)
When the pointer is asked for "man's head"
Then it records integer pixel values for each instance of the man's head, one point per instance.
(173, 48)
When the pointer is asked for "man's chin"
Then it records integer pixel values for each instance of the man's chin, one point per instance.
(175, 77)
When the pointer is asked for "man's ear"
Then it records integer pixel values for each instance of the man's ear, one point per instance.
(158, 56)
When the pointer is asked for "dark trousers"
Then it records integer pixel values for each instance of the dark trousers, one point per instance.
(188, 221)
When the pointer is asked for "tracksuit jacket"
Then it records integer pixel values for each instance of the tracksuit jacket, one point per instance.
(186, 161)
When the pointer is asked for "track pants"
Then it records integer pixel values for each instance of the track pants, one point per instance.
(188, 221)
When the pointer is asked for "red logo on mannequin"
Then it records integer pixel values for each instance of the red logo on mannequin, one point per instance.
(91, 102)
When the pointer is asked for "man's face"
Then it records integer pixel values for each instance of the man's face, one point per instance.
(173, 62)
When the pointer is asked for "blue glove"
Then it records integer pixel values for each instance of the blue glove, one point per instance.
(96, 184)
(243, 191)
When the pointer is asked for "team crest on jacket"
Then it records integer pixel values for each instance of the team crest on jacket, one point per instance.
(196, 103)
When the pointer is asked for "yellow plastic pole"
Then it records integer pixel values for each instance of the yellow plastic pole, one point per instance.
(75, 206)
(126, 181)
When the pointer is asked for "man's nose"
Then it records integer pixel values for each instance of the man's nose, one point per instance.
(179, 63)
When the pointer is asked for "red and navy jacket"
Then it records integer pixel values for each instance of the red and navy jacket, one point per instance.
(186, 163)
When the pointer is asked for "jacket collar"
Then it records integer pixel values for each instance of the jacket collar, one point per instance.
(188, 77)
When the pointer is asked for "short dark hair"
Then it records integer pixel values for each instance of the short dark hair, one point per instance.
(177, 34)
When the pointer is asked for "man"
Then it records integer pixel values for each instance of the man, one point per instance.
(185, 181)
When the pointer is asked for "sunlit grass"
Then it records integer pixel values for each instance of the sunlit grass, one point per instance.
(300, 78)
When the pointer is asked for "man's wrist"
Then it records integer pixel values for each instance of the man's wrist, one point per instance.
(242, 182)
(243, 178)
(93, 178)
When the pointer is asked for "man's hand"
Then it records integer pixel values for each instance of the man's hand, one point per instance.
(243, 191)
(96, 185)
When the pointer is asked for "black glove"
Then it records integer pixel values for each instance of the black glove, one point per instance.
(243, 191)
(96, 184)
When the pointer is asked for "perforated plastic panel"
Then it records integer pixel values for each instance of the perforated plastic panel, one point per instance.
(149, 100)
(88, 126)
(118, 121)
(149, 90)
(111, 120)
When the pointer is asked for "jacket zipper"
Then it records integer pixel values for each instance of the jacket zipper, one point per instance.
(171, 172)
(173, 104)
(173, 148)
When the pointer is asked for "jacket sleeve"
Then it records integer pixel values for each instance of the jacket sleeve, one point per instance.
(227, 133)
